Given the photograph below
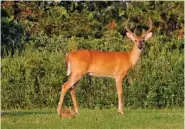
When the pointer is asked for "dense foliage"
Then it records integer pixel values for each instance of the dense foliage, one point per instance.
(37, 35)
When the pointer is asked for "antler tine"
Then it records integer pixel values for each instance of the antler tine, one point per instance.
(150, 25)
(150, 28)
(134, 31)
(126, 27)
(143, 31)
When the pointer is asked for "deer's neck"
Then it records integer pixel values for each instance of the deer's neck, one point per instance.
(135, 55)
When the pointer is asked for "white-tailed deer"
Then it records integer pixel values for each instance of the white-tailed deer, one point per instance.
(107, 64)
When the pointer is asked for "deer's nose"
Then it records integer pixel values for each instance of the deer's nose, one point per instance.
(140, 45)
(140, 42)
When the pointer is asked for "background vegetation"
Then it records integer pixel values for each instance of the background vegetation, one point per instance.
(37, 35)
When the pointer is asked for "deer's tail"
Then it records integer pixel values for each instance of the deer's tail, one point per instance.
(68, 63)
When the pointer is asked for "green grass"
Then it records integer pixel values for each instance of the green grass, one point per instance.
(94, 119)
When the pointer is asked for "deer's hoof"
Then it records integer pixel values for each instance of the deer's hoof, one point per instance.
(121, 113)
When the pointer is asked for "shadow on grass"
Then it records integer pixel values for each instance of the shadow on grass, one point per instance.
(25, 113)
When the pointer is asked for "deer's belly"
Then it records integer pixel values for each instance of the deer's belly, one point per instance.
(100, 74)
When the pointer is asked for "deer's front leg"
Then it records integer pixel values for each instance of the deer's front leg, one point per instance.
(119, 80)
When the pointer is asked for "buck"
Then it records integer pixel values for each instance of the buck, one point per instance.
(102, 64)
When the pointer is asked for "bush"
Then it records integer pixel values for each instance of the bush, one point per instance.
(34, 77)
(12, 36)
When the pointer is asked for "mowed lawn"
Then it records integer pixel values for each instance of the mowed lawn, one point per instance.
(94, 119)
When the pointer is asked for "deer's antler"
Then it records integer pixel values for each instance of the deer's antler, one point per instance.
(128, 30)
(150, 28)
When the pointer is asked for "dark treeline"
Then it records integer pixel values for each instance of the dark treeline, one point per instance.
(36, 36)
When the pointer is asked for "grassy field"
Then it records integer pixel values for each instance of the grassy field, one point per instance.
(94, 119)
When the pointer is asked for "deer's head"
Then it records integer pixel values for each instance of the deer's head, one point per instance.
(139, 40)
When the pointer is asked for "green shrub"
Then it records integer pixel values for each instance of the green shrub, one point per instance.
(34, 77)
(12, 36)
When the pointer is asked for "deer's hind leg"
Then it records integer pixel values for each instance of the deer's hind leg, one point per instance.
(73, 96)
(65, 87)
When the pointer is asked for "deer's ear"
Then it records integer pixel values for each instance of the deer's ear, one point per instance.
(148, 36)
(131, 36)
